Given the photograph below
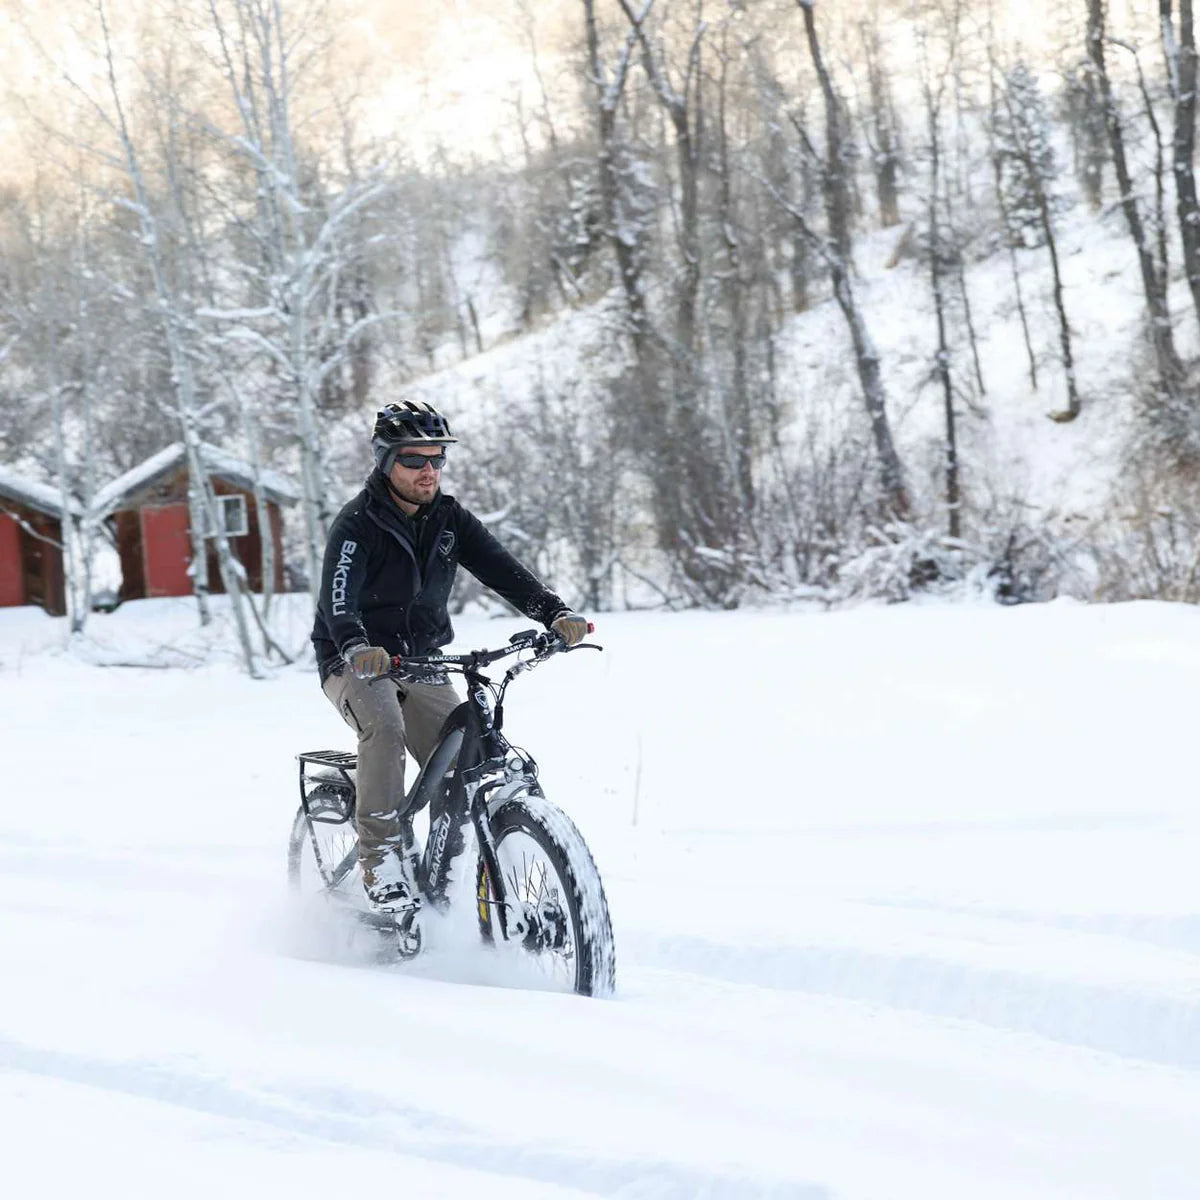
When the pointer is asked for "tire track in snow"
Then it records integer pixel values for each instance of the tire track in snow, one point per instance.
(1159, 1029)
(375, 1122)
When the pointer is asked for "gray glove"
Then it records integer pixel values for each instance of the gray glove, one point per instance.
(571, 627)
(368, 661)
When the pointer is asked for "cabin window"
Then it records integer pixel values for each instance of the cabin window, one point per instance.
(231, 512)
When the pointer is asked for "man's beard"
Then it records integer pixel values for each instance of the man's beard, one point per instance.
(409, 492)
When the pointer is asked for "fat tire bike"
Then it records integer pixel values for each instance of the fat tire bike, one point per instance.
(536, 890)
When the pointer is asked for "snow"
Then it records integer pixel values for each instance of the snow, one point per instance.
(905, 904)
(33, 493)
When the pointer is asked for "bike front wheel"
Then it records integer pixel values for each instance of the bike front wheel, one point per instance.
(555, 903)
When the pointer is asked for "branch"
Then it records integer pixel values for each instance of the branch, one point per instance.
(245, 334)
(29, 529)
(358, 327)
(611, 94)
(814, 239)
(237, 314)
(658, 79)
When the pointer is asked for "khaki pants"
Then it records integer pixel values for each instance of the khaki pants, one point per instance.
(387, 716)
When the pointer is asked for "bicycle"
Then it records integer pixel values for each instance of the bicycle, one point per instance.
(536, 887)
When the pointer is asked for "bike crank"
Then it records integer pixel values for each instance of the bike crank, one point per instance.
(401, 924)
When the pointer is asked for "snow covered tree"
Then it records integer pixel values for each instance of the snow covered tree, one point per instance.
(1024, 155)
(152, 211)
(303, 237)
(1023, 161)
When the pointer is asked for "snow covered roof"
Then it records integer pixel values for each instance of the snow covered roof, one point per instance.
(32, 494)
(219, 463)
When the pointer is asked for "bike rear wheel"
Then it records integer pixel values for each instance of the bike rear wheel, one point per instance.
(323, 858)
(551, 883)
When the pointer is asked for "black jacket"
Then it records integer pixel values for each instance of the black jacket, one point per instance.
(387, 576)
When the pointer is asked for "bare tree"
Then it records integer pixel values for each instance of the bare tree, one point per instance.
(1181, 73)
(835, 252)
(933, 89)
(624, 234)
(204, 513)
(883, 135)
(290, 317)
(1154, 283)
(739, 426)
(835, 164)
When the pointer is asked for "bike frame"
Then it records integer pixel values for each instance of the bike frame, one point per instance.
(486, 768)
(472, 768)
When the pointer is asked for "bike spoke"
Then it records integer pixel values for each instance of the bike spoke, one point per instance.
(534, 892)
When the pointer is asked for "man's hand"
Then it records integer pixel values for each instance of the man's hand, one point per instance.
(571, 627)
(368, 661)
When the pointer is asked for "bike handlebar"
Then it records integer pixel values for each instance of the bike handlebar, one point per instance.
(542, 644)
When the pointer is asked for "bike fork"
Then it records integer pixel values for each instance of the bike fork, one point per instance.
(491, 862)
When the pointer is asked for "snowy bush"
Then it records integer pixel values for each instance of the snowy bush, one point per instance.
(1009, 562)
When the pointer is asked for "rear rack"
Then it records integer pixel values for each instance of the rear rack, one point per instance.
(327, 795)
(330, 758)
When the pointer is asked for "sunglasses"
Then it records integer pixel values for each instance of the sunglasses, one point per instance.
(416, 462)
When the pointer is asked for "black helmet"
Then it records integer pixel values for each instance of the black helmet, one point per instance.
(409, 423)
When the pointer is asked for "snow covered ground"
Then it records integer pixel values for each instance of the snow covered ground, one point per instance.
(906, 904)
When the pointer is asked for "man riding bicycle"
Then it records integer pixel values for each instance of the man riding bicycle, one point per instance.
(390, 562)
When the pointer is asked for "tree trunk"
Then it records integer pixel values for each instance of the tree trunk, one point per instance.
(866, 359)
(1002, 204)
(837, 197)
(625, 246)
(1170, 369)
(885, 158)
(942, 356)
(866, 356)
(1064, 326)
(1183, 149)
(1014, 269)
(960, 277)
(740, 425)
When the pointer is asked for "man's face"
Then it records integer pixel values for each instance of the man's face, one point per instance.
(418, 484)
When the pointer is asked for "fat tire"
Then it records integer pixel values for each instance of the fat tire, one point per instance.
(296, 842)
(587, 907)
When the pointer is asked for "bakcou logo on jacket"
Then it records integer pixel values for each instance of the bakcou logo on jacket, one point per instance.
(446, 543)
(337, 594)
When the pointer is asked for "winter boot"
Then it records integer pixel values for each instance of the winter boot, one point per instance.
(391, 882)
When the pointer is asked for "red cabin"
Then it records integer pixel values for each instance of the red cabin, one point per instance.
(147, 509)
(31, 543)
